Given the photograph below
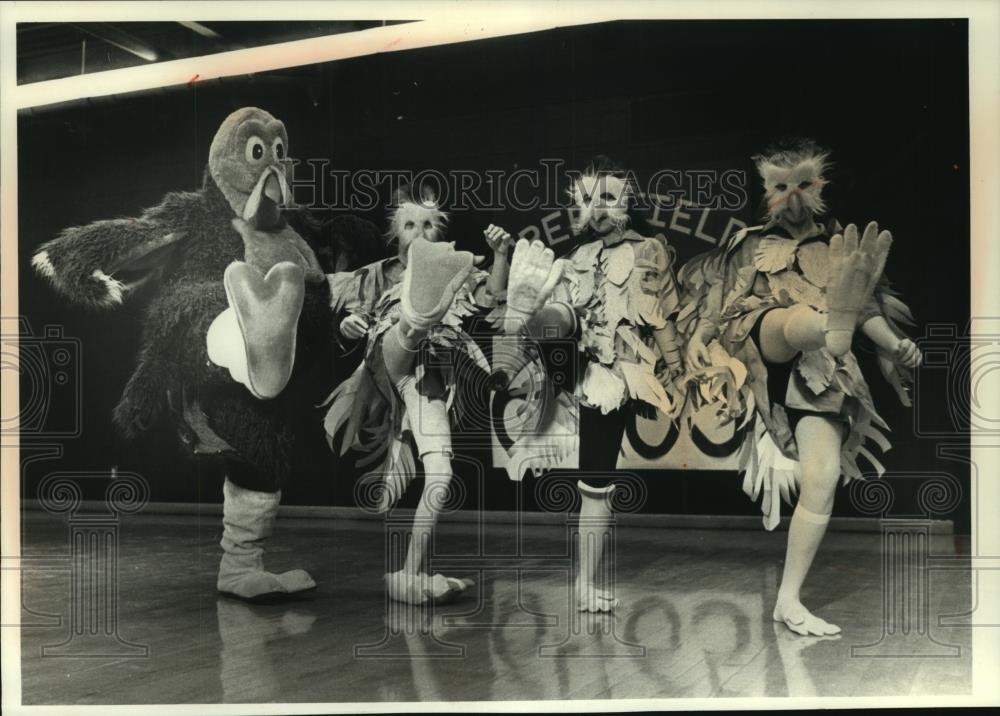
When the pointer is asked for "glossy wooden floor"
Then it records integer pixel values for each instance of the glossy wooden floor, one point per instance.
(695, 623)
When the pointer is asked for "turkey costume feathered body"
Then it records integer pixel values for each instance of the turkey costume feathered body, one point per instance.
(217, 258)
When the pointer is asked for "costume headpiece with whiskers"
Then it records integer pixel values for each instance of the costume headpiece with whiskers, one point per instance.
(603, 195)
(421, 209)
(793, 167)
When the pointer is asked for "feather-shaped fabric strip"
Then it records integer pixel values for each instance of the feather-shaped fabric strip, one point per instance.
(614, 296)
(817, 368)
(867, 454)
(722, 384)
(396, 471)
(343, 288)
(638, 347)
(618, 263)
(814, 260)
(643, 385)
(721, 358)
(894, 309)
(774, 254)
(584, 288)
(548, 445)
(646, 307)
(769, 475)
(342, 407)
(598, 341)
(796, 290)
(602, 388)
(870, 432)
(584, 258)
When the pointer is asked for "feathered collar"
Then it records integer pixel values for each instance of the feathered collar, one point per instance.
(823, 229)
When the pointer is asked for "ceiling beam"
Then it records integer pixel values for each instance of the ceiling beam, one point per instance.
(110, 34)
(200, 29)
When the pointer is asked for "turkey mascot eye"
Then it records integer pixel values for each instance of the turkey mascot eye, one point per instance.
(255, 149)
(279, 148)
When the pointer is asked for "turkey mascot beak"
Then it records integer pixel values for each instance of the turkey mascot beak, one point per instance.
(249, 162)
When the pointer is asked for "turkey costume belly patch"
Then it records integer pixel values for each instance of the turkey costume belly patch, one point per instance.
(237, 309)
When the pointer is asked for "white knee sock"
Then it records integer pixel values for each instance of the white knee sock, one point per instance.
(804, 535)
(595, 534)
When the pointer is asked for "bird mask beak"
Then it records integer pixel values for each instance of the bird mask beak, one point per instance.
(270, 193)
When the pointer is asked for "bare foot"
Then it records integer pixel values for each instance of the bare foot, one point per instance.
(801, 621)
(592, 599)
(422, 588)
(855, 269)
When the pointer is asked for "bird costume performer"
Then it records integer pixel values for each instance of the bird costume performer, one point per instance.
(410, 309)
(615, 295)
(237, 315)
(785, 300)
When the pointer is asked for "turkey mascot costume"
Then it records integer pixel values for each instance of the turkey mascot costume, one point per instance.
(238, 330)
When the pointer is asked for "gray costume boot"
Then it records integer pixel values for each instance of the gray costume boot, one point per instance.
(248, 519)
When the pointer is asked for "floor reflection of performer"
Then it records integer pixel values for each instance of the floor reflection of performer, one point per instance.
(786, 299)
(615, 295)
(246, 663)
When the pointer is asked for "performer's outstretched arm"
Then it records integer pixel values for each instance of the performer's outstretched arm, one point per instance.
(500, 242)
(903, 349)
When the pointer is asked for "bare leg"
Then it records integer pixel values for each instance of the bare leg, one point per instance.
(785, 332)
(819, 442)
(437, 478)
(855, 268)
(399, 351)
(432, 432)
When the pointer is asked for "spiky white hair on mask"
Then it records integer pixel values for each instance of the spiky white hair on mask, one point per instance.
(783, 166)
(404, 200)
(601, 166)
